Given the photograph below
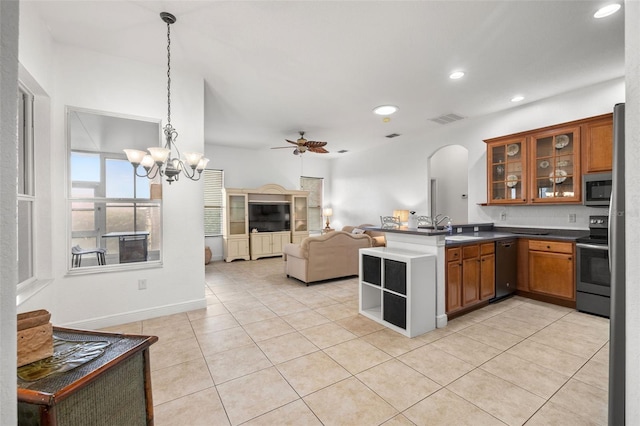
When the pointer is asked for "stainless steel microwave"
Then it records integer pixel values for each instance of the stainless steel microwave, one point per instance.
(597, 189)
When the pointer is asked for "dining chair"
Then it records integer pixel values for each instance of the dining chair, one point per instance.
(390, 222)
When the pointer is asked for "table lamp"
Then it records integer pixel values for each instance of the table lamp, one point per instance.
(328, 212)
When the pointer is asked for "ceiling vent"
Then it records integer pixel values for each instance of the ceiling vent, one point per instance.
(446, 119)
(392, 135)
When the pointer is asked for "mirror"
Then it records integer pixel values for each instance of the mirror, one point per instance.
(449, 183)
(115, 216)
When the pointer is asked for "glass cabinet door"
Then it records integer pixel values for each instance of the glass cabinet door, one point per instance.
(507, 175)
(237, 214)
(300, 211)
(555, 159)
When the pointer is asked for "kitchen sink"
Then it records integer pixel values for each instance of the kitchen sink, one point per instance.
(461, 238)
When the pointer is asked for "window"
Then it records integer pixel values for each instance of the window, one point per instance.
(213, 184)
(110, 207)
(315, 186)
(26, 193)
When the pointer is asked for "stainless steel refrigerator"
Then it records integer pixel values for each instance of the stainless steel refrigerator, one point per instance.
(617, 345)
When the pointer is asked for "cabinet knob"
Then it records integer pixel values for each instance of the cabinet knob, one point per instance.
(569, 259)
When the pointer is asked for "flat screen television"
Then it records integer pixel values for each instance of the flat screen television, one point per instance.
(269, 217)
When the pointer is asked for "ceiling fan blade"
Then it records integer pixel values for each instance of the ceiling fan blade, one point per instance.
(315, 144)
(281, 147)
(295, 143)
(317, 150)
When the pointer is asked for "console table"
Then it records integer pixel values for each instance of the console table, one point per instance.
(111, 389)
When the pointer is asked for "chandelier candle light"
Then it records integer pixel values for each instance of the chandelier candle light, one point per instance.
(161, 160)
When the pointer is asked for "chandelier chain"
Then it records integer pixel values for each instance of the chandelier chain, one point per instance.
(168, 73)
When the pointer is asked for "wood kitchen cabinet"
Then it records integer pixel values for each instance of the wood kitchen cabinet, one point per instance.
(507, 170)
(470, 276)
(487, 271)
(555, 167)
(454, 279)
(597, 144)
(552, 269)
(545, 166)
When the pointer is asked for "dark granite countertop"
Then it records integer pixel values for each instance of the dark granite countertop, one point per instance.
(485, 232)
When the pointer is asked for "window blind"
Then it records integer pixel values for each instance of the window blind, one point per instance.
(213, 184)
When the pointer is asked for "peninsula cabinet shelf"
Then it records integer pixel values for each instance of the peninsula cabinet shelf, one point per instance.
(398, 289)
(545, 166)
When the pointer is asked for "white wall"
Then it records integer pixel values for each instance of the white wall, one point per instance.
(85, 79)
(376, 182)
(8, 231)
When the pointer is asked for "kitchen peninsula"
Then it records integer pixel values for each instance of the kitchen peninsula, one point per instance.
(539, 264)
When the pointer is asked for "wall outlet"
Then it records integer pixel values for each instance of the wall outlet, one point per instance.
(503, 216)
(572, 218)
(142, 284)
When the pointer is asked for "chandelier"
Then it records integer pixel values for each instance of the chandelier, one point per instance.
(162, 160)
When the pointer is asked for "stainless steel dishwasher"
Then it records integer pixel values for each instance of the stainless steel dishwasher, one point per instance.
(506, 268)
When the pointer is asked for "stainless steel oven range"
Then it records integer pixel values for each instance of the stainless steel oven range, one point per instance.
(593, 277)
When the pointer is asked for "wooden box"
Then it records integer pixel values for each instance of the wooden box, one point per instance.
(35, 336)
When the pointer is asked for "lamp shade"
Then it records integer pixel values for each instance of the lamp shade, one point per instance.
(328, 212)
(402, 214)
(135, 156)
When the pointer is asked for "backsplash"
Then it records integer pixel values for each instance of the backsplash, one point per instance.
(556, 216)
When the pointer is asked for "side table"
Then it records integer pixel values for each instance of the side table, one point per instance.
(112, 389)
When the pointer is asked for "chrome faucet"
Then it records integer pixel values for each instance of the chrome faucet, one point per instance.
(438, 220)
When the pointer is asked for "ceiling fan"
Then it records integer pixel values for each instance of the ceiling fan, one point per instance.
(303, 145)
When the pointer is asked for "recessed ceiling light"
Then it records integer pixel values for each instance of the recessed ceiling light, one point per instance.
(456, 75)
(385, 109)
(607, 10)
(517, 98)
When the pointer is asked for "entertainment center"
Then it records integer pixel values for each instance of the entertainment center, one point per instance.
(259, 222)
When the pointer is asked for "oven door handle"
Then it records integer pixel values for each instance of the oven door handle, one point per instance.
(592, 246)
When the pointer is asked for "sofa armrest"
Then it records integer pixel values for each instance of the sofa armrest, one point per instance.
(294, 250)
(379, 241)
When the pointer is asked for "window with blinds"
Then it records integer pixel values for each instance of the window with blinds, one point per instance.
(315, 186)
(213, 184)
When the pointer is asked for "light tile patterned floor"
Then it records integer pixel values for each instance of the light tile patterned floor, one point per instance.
(269, 350)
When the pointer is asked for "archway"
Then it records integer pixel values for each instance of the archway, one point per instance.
(449, 183)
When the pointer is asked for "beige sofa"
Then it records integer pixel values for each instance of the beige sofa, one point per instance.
(323, 257)
(378, 237)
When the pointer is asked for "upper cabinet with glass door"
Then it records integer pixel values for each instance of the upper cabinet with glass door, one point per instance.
(555, 166)
(544, 166)
(507, 166)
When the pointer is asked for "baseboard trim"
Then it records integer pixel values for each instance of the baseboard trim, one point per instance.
(140, 315)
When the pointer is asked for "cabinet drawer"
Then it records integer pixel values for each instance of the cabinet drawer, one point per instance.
(453, 254)
(551, 246)
(487, 248)
(471, 251)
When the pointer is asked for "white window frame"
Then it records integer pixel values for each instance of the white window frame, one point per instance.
(26, 192)
(101, 201)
